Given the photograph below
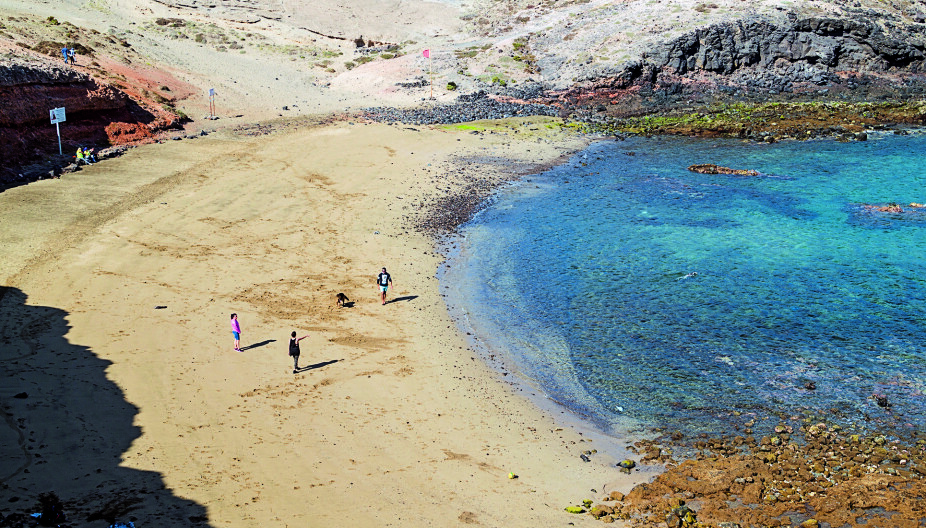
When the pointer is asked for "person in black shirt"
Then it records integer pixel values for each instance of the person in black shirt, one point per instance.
(294, 350)
(383, 280)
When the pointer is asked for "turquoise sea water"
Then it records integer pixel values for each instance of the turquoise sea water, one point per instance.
(577, 279)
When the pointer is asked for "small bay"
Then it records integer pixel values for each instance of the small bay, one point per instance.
(637, 293)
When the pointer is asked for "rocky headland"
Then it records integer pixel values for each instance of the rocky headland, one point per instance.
(801, 73)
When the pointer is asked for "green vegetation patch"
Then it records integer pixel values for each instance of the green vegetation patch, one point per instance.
(53, 48)
(705, 8)
(465, 126)
(801, 120)
(172, 22)
(535, 124)
(468, 53)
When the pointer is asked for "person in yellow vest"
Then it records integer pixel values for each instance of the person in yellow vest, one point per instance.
(80, 156)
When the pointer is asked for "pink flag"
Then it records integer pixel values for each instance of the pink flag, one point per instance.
(426, 53)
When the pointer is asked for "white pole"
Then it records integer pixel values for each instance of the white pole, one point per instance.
(58, 128)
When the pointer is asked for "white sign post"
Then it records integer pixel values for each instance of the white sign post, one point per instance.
(57, 116)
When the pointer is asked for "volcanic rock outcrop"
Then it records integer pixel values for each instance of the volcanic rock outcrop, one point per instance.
(873, 56)
(809, 50)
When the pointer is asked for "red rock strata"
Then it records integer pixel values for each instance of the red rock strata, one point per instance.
(97, 114)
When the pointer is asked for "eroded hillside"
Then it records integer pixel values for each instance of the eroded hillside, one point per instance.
(596, 59)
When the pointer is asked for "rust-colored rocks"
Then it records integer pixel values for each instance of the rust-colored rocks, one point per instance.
(680, 515)
(889, 208)
(37, 87)
(815, 476)
(600, 511)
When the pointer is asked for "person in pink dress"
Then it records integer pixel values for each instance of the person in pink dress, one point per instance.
(236, 331)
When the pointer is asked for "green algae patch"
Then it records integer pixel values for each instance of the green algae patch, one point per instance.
(523, 126)
(776, 120)
(464, 126)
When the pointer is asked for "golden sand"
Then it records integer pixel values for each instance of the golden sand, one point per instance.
(119, 282)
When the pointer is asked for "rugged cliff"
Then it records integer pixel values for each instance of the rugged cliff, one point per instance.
(820, 46)
(639, 56)
(756, 54)
(36, 85)
(821, 58)
(97, 114)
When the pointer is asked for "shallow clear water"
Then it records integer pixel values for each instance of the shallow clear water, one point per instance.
(577, 277)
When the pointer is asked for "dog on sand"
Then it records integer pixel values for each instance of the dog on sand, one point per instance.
(341, 299)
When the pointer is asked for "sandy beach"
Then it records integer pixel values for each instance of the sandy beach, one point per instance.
(118, 285)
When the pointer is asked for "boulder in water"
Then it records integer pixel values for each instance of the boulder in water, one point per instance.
(710, 168)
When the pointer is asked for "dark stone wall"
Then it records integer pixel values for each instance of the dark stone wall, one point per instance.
(837, 44)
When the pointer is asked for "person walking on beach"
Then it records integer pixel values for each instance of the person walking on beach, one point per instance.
(294, 350)
(64, 53)
(72, 54)
(236, 331)
(383, 280)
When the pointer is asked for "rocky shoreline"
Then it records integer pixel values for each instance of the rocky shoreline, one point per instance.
(816, 476)
(765, 121)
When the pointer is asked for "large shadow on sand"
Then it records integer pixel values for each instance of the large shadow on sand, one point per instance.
(67, 428)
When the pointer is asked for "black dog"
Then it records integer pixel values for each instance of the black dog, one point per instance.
(341, 300)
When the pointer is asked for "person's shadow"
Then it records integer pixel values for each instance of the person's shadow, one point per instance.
(398, 299)
(258, 345)
(317, 365)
